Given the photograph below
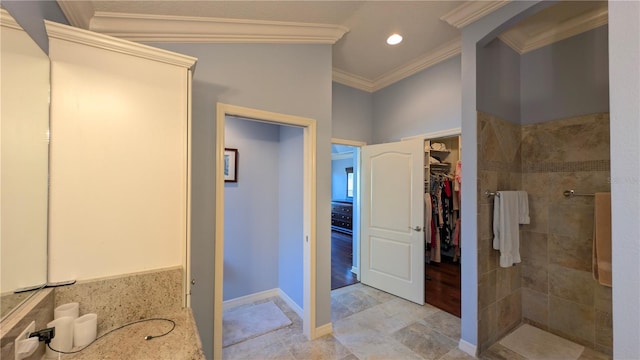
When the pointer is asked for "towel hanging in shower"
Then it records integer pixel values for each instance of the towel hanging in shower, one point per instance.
(510, 209)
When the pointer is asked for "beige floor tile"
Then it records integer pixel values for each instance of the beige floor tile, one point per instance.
(457, 354)
(326, 347)
(425, 341)
(265, 347)
(500, 352)
(444, 323)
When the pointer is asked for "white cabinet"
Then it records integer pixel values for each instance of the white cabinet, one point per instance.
(120, 119)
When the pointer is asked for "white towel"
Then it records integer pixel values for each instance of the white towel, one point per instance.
(523, 207)
(510, 209)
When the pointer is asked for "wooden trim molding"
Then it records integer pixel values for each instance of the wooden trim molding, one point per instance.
(522, 43)
(352, 80)
(89, 38)
(79, 13)
(191, 29)
(437, 56)
(471, 11)
(342, 156)
(7, 20)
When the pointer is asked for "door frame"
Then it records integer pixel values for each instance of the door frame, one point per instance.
(355, 225)
(309, 213)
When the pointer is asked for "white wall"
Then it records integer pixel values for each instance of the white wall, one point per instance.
(288, 79)
(290, 251)
(624, 78)
(118, 179)
(425, 102)
(25, 169)
(352, 113)
(251, 226)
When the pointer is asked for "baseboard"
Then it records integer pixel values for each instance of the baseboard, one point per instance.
(292, 304)
(250, 298)
(467, 347)
(323, 330)
(355, 270)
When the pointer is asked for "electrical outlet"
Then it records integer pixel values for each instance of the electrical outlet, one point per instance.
(44, 335)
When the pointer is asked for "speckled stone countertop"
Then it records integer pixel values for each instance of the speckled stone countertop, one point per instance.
(183, 343)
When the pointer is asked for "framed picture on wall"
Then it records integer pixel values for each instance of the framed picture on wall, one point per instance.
(230, 165)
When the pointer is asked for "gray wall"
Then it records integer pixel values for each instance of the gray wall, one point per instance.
(251, 252)
(352, 113)
(290, 250)
(425, 102)
(566, 79)
(289, 79)
(29, 14)
(498, 70)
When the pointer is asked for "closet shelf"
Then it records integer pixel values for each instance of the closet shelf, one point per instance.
(441, 154)
(441, 166)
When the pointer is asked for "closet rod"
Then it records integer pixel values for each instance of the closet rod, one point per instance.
(572, 193)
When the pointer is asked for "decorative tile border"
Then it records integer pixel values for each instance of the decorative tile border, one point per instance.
(569, 166)
(498, 166)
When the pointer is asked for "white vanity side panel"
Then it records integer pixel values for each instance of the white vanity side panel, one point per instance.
(24, 125)
(118, 163)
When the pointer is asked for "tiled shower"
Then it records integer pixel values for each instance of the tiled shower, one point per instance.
(553, 288)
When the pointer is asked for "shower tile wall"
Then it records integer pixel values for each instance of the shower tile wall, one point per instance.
(559, 293)
(499, 289)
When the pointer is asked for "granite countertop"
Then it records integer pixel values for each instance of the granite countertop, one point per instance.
(183, 343)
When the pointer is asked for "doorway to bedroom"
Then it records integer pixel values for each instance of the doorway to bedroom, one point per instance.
(344, 214)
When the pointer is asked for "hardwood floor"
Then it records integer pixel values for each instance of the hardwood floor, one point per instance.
(341, 260)
(443, 289)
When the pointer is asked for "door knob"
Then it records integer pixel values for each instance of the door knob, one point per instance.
(193, 281)
(417, 228)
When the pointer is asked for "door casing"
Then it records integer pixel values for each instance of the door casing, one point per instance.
(309, 214)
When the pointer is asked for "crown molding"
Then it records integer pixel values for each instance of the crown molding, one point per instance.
(522, 44)
(342, 155)
(352, 80)
(190, 29)
(7, 20)
(354, 143)
(100, 41)
(471, 11)
(79, 13)
(439, 55)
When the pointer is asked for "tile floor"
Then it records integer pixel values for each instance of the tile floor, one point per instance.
(371, 324)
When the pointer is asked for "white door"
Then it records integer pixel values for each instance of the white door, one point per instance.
(392, 239)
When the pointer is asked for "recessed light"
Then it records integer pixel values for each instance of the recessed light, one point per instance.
(394, 39)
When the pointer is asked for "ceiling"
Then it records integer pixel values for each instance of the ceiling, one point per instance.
(356, 30)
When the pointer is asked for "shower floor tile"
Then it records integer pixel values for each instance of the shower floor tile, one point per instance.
(537, 344)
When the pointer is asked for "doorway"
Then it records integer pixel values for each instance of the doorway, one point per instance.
(345, 212)
(308, 127)
(442, 223)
